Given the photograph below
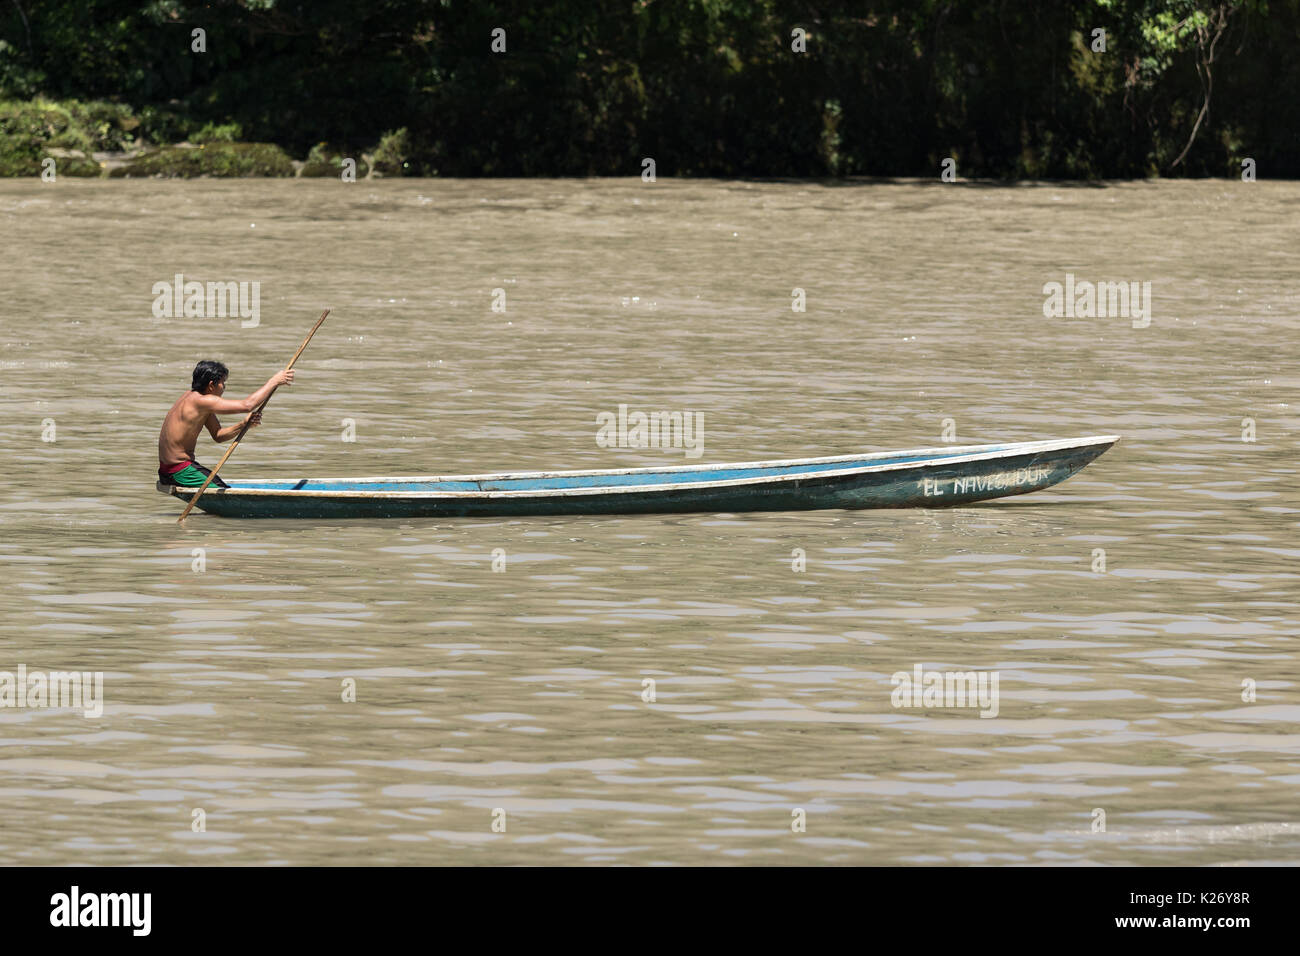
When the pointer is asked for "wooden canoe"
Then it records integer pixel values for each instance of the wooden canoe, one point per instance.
(921, 478)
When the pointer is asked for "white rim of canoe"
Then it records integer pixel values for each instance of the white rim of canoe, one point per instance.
(967, 453)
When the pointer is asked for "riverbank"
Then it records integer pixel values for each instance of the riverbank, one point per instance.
(100, 139)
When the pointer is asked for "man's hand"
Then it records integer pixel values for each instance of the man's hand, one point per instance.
(282, 377)
(255, 419)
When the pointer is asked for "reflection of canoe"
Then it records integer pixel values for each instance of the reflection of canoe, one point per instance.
(927, 477)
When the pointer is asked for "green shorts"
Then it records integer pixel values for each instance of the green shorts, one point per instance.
(190, 475)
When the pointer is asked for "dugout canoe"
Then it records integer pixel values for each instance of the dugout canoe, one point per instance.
(920, 478)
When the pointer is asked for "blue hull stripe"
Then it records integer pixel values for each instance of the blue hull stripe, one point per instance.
(585, 481)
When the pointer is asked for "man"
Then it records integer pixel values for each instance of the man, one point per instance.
(197, 409)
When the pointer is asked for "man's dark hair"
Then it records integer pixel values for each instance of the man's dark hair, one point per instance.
(207, 372)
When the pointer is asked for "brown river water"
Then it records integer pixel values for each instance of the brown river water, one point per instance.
(1156, 695)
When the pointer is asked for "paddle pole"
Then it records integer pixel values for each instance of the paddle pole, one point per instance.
(240, 437)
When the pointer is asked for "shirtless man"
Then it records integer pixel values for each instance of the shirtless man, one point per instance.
(197, 409)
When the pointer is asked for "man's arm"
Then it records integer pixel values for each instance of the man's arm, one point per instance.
(214, 405)
(221, 435)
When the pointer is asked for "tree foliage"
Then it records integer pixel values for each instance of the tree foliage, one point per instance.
(705, 87)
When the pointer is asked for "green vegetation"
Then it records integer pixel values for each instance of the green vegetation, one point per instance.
(70, 132)
(214, 159)
(325, 161)
(705, 87)
(392, 155)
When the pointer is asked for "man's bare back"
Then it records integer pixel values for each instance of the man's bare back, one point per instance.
(197, 409)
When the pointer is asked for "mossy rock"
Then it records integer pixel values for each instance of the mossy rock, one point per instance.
(326, 160)
(332, 167)
(227, 160)
(25, 156)
(79, 167)
(73, 163)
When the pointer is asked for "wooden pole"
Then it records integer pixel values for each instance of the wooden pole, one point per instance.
(240, 437)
